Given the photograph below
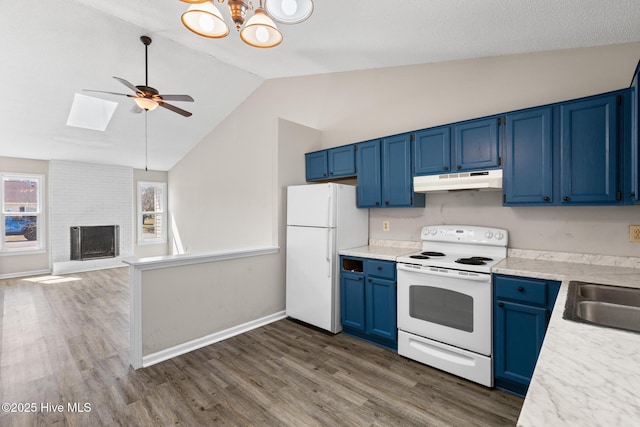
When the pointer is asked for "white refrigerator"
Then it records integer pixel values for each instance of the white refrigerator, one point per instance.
(322, 219)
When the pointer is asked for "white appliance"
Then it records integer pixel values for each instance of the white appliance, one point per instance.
(322, 219)
(445, 299)
(475, 180)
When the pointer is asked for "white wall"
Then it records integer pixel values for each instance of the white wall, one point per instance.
(88, 194)
(229, 178)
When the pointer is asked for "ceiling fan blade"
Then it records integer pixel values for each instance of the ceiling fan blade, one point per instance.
(136, 109)
(111, 93)
(127, 84)
(185, 98)
(175, 109)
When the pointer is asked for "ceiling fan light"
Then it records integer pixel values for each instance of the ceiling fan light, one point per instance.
(146, 103)
(289, 11)
(261, 31)
(205, 20)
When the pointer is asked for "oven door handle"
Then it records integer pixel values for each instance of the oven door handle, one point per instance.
(452, 274)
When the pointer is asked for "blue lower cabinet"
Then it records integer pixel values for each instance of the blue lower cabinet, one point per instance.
(368, 300)
(522, 308)
(352, 301)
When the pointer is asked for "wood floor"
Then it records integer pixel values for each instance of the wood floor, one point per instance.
(65, 342)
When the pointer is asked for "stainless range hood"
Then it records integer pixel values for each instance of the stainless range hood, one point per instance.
(474, 180)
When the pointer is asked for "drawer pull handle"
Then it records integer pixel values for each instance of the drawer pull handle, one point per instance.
(520, 289)
(500, 304)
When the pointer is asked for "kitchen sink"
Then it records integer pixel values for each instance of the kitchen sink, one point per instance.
(603, 305)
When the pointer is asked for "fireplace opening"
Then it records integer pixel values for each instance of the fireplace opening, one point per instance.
(93, 242)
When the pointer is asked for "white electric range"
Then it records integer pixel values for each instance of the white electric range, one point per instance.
(445, 299)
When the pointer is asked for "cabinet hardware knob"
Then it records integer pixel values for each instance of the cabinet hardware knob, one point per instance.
(369, 280)
(459, 167)
(546, 198)
(565, 198)
(386, 202)
(500, 304)
(377, 203)
(520, 289)
(446, 168)
(379, 267)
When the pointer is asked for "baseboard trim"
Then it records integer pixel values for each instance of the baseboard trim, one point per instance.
(171, 352)
(24, 274)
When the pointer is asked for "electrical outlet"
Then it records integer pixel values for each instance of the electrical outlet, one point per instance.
(385, 226)
(634, 233)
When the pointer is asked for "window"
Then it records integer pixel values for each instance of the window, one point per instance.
(22, 218)
(152, 216)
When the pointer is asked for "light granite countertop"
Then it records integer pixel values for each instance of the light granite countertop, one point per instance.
(387, 250)
(585, 375)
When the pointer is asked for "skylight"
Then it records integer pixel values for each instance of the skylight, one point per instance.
(90, 113)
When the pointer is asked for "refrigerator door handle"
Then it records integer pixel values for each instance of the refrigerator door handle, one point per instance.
(328, 254)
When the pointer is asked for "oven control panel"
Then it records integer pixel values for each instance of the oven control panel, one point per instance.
(465, 234)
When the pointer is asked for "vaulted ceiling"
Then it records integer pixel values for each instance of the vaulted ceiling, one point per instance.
(54, 49)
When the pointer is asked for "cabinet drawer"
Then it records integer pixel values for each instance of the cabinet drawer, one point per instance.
(382, 269)
(520, 289)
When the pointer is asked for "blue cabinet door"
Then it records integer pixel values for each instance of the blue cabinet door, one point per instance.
(476, 145)
(589, 150)
(381, 308)
(518, 336)
(634, 152)
(316, 164)
(342, 161)
(432, 151)
(368, 164)
(528, 168)
(352, 301)
(397, 179)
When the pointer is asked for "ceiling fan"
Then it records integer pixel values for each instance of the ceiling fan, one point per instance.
(146, 97)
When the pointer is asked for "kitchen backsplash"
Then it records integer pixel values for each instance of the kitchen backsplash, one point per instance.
(601, 230)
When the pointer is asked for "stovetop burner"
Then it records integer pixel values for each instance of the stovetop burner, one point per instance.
(474, 260)
(431, 253)
(427, 255)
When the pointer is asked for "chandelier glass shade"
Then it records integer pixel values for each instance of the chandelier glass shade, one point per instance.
(204, 18)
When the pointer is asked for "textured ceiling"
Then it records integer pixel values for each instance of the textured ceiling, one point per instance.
(61, 47)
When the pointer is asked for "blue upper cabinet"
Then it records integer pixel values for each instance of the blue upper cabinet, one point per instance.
(317, 166)
(476, 144)
(633, 152)
(432, 151)
(568, 153)
(397, 179)
(528, 168)
(589, 150)
(385, 176)
(342, 161)
(338, 162)
(369, 168)
(460, 147)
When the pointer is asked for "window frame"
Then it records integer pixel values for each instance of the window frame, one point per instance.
(39, 214)
(140, 213)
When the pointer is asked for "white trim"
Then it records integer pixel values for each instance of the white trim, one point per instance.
(163, 212)
(40, 214)
(165, 261)
(180, 349)
(24, 274)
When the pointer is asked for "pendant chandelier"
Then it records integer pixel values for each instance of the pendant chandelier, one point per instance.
(206, 20)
